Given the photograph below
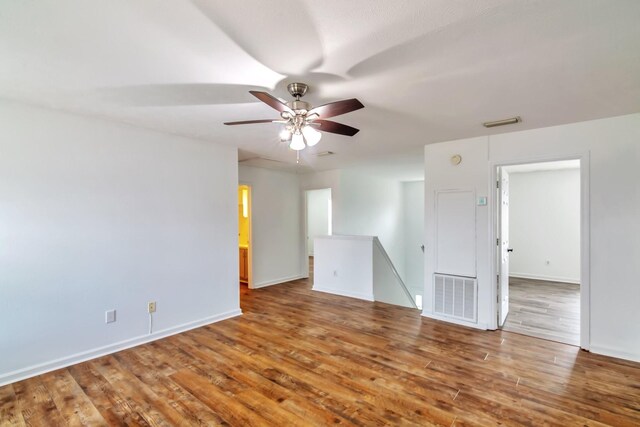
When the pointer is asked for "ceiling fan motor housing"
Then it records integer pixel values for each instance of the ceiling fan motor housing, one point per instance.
(299, 105)
(297, 90)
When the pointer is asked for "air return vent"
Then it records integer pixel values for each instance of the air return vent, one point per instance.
(325, 153)
(455, 296)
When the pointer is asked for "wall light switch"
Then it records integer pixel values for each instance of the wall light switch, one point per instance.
(482, 201)
(110, 316)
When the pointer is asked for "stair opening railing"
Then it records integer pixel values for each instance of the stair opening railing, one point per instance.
(385, 289)
(359, 267)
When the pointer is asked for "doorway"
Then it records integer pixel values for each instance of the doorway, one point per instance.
(318, 220)
(244, 235)
(538, 251)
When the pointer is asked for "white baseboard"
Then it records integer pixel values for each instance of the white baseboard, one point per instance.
(547, 278)
(619, 354)
(63, 362)
(343, 293)
(481, 326)
(277, 281)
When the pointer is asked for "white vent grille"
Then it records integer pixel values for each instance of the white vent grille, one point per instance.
(455, 296)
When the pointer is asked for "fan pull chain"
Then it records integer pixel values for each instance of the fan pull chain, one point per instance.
(297, 157)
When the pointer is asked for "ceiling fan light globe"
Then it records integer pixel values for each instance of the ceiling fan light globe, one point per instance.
(285, 134)
(311, 135)
(297, 142)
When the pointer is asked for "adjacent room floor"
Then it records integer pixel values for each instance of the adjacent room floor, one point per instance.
(548, 310)
(299, 357)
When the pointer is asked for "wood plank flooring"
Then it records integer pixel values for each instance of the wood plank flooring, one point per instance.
(542, 309)
(298, 357)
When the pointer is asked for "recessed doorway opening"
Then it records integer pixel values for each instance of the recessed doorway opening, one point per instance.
(244, 235)
(538, 250)
(318, 220)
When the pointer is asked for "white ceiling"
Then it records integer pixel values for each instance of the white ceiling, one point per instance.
(426, 71)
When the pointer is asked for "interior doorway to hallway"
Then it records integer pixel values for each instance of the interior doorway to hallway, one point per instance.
(538, 249)
(244, 235)
(318, 221)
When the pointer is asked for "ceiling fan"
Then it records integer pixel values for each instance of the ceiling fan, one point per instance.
(301, 122)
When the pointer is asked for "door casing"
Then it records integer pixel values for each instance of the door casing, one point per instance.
(502, 244)
(585, 242)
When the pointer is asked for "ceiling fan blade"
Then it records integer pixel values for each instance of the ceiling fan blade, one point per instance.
(250, 122)
(282, 35)
(337, 108)
(335, 127)
(429, 46)
(271, 101)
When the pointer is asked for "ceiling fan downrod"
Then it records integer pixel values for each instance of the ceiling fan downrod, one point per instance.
(298, 90)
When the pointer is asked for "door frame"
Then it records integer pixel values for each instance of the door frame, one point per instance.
(500, 179)
(585, 242)
(305, 225)
(250, 248)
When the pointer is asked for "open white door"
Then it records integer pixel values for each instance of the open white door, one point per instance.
(503, 247)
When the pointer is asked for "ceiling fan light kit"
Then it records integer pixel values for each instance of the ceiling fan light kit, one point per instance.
(297, 142)
(303, 125)
(311, 135)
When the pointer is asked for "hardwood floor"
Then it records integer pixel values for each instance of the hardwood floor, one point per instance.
(298, 357)
(542, 309)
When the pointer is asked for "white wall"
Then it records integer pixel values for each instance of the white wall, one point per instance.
(97, 216)
(613, 149)
(544, 225)
(343, 265)
(364, 205)
(413, 214)
(372, 206)
(470, 175)
(318, 205)
(320, 180)
(276, 225)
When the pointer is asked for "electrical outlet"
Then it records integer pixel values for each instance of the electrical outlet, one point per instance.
(110, 316)
(152, 307)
